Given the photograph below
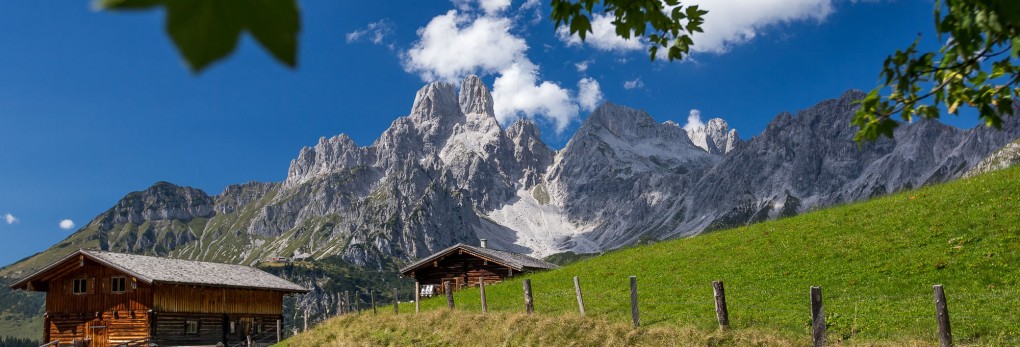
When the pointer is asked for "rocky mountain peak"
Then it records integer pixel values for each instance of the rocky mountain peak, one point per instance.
(161, 201)
(618, 120)
(533, 155)
(475, 97)
(714, 137)
(435, 100)
(328, 155)
(523, 129)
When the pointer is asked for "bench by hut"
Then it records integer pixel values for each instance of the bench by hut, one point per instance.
(101, 299)
(463, 265)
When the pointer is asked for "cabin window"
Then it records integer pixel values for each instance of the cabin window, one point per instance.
(190, 326)
(79, 286)
(117, 284)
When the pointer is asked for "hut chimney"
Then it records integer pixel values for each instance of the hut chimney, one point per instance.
(484, 243)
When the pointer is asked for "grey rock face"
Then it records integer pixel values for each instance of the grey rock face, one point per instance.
(532, 155)
(237, 196)
(162, 201)
(1006, 157)
(811, 161)
(329, 155)
(619, 169)
(475, 97)
(715, 137)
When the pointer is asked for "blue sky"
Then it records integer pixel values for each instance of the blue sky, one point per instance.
(94, 105)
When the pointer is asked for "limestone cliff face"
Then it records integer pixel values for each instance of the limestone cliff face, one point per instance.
(715, 137)
(1006, 157)
(162, 201)
(810, 160)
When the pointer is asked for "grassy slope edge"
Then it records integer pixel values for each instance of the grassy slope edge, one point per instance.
(876, 262)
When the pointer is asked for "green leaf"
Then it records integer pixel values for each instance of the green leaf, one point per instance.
(581, 26)
(203, 31)
(125, 4)
(275, 25)
(206, 31)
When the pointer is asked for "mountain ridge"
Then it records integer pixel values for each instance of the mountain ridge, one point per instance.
(449, 172)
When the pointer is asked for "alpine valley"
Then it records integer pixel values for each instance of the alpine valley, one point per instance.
(449, 172)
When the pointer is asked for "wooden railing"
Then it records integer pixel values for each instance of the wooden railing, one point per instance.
(52, 343)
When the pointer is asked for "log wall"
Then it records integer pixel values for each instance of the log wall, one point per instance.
(183, 298)
(99, 297)
(170, 329)
(116, 328)
(212, 328)
(100, 314)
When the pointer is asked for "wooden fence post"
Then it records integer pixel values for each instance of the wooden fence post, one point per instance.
(942, 315)
(357, 302)
(347, 300)
(634, 302)
(417, 296)
(448, 289)
(371, 294)
(817, 318)
(339, 303)
(306, 323)
(279, 331)
(580, 298)
(529, 301)
(481, 290)
(720, 305)
(396, 302)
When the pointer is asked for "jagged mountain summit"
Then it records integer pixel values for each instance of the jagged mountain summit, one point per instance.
(715, 137)
(448, 172)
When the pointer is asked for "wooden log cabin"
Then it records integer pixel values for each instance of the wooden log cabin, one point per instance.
(463, 265)
(103, 299)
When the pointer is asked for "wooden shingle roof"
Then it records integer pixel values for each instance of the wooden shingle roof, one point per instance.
(516, 261)
(160, 270)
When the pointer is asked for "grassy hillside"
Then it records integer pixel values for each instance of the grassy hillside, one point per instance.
(875, 261)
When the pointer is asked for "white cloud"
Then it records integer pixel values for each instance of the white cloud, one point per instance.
(453, 45)
(732, 22)
(728, 23)
(583, 66)
(602, 36)
(10, 219)
(530, 4)
(694, 120)
(375, 32)
(589, 94)
(634, 84)
(67, 224)
(517, 92)
(492, 7)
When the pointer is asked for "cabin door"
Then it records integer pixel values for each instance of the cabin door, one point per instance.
(97, 332)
